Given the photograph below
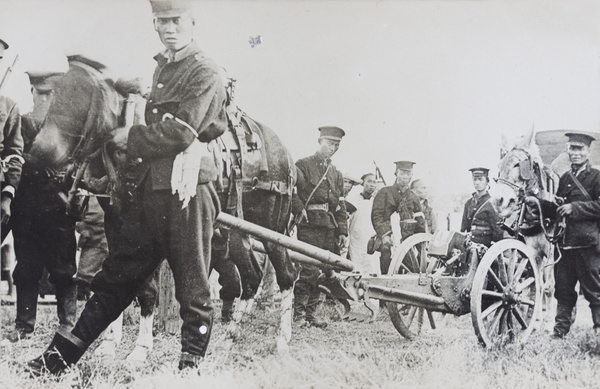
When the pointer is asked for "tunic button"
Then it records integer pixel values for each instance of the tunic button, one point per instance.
(159, 86)
(155, 110)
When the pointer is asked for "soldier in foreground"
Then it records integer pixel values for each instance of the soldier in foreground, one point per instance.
(479, 216)
(320, 205)
(579, 193)
(163, 218)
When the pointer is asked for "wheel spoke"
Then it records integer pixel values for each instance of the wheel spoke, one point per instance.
(519, 318)
(526, 283)
(495, 280)
(511, 265)
(502, 269)
(411, 315)
(406, 268)
(423, 258)
(491, 293)
(494, 323)
(528, 302)
(413, 259)
(520, 269)
(420, 320)
(491, 309)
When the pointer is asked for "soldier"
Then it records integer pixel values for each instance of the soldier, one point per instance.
(579, 193)
(166, 217)
(11, 151)
(43, 233)
(421, 190)
(401, 199)
(479, 216)
(320, 205)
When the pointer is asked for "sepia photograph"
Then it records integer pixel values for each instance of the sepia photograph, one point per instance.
(300, 193)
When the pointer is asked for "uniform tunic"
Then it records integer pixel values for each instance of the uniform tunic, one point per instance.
(326, 212)
(480, 218)
(390, 200)
(155, 226)
(580, 258)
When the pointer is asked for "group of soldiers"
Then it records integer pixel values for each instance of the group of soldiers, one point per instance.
(185, 110)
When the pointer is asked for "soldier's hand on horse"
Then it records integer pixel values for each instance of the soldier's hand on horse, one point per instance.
(565, 210)
(6, 200)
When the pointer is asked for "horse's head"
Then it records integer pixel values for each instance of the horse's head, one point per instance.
(518, 175)
(81, 117)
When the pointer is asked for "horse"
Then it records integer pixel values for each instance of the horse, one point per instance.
(256, 184)
(524, 199)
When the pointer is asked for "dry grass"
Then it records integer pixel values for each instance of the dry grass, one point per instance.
(345, 355)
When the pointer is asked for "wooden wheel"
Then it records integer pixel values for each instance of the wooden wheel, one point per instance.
(412, 257)
(506, 294)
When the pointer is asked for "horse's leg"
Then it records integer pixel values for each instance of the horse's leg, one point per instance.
(147, 297)
(240, 251)
(111, 338)
(229, 278)
(286, 275)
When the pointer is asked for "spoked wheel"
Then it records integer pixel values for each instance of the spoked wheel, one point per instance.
(412, 257)
(507, 294)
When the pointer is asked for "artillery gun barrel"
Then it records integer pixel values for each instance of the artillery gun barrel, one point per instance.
(311, 251)
(405, 296)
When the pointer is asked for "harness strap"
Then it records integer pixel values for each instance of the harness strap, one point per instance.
(4, 162)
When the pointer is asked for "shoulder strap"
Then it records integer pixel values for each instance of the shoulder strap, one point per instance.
(581, 188)
(316, 186)
(481, 207)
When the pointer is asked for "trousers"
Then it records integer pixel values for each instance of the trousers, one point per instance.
(156, 227)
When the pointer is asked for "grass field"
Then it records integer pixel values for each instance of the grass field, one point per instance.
(344, 355)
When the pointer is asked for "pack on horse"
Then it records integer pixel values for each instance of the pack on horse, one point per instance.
(258, 172)
(524, 197)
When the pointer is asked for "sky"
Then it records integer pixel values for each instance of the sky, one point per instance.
(435, 82)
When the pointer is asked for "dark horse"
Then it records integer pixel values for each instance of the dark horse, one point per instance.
(257, 181)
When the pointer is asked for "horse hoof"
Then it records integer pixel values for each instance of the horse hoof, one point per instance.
(139, 354)
(106, 348)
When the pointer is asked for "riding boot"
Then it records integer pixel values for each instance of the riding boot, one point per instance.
(311, 309)
(66, 305)
(227, 311)
(27, 298)
(64, 350)
(300, 301)
(563, 321)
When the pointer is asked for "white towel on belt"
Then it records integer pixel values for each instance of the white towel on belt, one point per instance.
(186, 167)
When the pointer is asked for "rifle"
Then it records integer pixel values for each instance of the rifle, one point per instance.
(9, 70)
(378, 173)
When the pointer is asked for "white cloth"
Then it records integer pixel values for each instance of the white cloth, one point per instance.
(360, 229)
(186, 167)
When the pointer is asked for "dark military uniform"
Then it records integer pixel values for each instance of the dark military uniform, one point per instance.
(327, 219)
(11, 149)
(190, 91)
(481, 220)
(579, 248)
(407, 204)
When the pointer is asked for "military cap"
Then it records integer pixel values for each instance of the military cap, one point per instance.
(331, 132)
(404, 165)
(579, 138)
(351, 178)
(4, 44)
(479, 171)
(170, 8)
(44, 81)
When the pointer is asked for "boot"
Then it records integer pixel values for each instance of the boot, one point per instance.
(227, 311)
(563, 321)
(66, 305)
(300, 301)
(311, 309)
(27, 297)
(190, 361)
(64, 351)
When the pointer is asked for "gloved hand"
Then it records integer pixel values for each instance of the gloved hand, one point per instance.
(6, 200)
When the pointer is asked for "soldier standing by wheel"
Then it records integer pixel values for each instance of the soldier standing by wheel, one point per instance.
(170, 214)
(579, 193)
(479, 216)
(320, 205)
(401, 199)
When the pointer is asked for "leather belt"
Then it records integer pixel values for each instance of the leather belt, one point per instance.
(317, 207)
